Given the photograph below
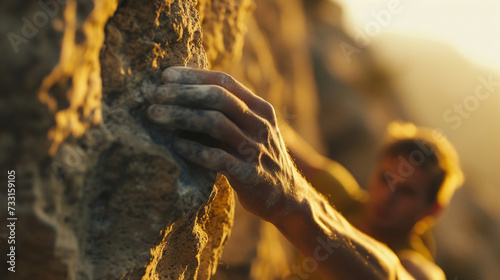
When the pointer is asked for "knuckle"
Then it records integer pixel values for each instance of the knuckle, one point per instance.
(214, 94)
(260, 122)
(245, 110)
(218, 123)
(212, 156)
(216, 117)
(205, 157)
(206, 154)
(248, 173)
(215, 90)
(226, 80)
(263, 134)
(268, 112)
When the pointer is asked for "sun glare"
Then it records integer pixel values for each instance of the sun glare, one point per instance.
(472, 27)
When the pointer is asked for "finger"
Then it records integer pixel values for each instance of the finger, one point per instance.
(185, 75)
(213, 98)
(213, 123)
(217, 160)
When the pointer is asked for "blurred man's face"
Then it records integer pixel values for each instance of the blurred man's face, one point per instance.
(399, 196)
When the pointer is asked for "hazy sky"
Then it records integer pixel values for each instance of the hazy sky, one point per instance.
(432, 87)
(473, 27)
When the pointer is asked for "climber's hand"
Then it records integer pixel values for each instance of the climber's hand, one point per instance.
(254, 158)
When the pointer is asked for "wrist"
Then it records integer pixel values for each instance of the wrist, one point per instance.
(298, 206)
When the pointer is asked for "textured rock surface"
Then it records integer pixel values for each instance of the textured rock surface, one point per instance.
(99, 194)
(225, 25)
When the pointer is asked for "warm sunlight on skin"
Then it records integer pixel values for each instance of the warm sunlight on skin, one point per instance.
(394, 210)
(469, 26)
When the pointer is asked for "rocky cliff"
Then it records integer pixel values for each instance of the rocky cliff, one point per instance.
(98, 192)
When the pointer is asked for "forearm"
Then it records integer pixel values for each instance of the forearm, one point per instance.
(339, 249)
(255, 161)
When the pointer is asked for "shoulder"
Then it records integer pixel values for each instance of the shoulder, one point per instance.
(420, 267)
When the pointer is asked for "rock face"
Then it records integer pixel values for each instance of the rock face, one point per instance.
(99, 194)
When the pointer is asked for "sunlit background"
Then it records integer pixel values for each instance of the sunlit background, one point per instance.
(336, 72)
(433, 63)
(472, 27)
(437, 53)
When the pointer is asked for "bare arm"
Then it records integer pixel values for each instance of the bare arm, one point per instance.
(325, 175)
(341, 251)
(261, 172)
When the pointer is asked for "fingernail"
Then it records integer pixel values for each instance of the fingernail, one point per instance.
(170, 75)
(155, 111)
